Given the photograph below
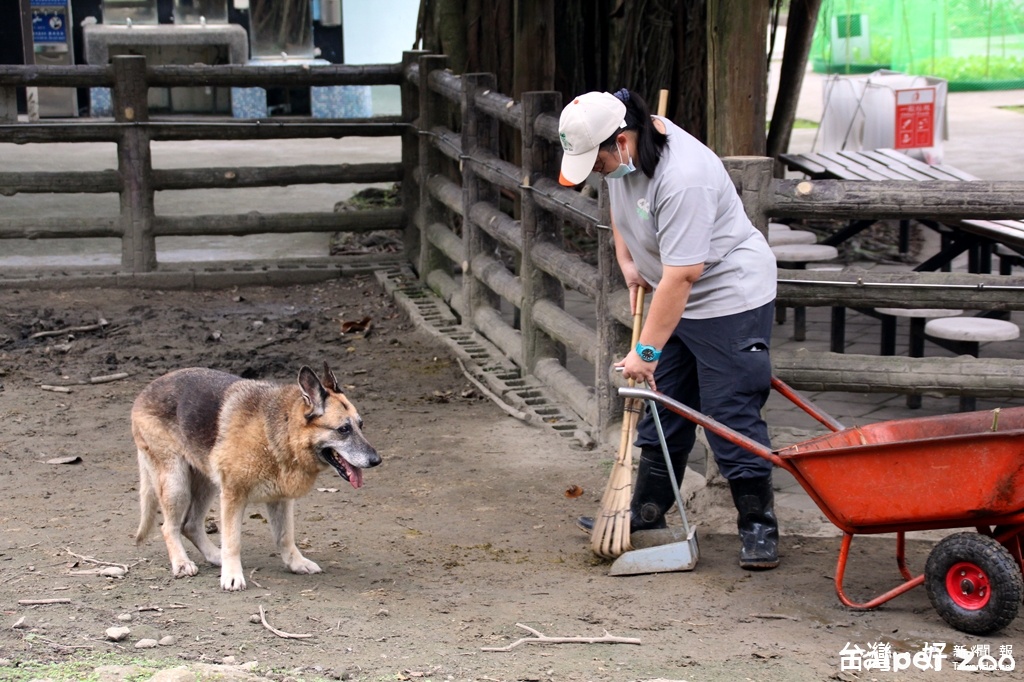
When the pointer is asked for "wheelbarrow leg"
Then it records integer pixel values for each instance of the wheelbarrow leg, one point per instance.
(844, 555)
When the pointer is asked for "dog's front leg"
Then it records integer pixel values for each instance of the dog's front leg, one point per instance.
(232, 508)
(282, 525)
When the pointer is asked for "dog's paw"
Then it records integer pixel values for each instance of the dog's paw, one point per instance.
(232, 582)
(184, 569)
(304, 566)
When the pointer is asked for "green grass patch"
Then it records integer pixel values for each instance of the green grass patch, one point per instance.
(798, 124)
(83, 669)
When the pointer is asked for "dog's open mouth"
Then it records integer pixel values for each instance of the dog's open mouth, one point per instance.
(352, 474)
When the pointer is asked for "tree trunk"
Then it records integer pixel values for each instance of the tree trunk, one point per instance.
(737, 77)
(803, 15)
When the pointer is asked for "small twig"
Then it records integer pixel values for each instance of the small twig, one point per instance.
(107, 378)
(40, 602)
(773, 616)
(102, 379)
(508, 409)
(544, 639)
(252, 579)
(279, 633)
(68, 330)
(58, 644)
(91, 560)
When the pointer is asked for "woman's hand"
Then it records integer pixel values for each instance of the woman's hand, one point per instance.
(636, 369)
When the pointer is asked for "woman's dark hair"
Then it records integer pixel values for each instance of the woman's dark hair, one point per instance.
(649, 140)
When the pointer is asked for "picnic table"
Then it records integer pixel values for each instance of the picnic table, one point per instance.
(978, 238)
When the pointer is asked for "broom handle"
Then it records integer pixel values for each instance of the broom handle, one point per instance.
(631, 408)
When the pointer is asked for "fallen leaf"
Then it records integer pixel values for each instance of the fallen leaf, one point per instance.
(573, 491)
(352, 326)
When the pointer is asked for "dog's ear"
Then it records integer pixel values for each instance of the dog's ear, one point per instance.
(330, 381)
(312, 392)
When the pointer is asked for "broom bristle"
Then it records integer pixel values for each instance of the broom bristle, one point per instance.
(610, 537)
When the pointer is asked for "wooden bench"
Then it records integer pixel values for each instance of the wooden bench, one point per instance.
(978, 237)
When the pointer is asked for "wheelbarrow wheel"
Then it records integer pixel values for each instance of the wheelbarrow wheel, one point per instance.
(973, 583)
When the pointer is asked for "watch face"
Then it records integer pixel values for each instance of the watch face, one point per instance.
(647, 354)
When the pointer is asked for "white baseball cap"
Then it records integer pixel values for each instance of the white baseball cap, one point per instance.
(585, 123)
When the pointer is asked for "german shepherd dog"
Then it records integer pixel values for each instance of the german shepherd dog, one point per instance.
(199, 431)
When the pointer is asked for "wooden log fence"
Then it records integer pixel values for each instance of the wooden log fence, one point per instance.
(504, 270)
(136, 181)
(461, 264)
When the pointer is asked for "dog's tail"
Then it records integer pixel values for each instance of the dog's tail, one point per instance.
(148, 502)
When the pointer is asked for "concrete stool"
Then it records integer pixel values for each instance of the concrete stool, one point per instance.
(918, 317)
(789, 237)
(964, 336)
(797, 257)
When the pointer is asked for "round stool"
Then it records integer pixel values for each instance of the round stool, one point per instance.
(797, 257)
(964, 336)
(917, 319)
(789, 237)
(837, 333)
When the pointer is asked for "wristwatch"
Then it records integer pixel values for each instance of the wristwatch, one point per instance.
(647, 353)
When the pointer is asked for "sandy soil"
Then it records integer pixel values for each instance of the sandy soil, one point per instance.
(464, 532)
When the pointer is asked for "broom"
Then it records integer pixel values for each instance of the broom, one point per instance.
(610, 537)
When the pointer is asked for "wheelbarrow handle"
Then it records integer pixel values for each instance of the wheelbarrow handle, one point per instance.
(708, 423)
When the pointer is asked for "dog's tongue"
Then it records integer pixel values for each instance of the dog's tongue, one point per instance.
(355, 474)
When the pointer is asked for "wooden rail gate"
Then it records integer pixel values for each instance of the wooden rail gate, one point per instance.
(484, 262)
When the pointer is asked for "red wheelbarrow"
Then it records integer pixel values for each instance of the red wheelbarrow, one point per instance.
(958, 471)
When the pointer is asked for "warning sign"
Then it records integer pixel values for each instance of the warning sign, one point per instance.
(915, 118)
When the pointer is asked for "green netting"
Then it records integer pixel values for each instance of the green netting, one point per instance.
(972, 44)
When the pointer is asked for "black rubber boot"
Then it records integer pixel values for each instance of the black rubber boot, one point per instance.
(758, 527)
(652, 493)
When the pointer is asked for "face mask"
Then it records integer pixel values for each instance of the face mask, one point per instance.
(623, 169)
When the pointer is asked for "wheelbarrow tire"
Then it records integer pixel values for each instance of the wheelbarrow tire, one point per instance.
(973, 583)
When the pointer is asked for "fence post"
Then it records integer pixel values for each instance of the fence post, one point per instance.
(134, 163)
(432, 109)
(479, 134)
(410, 156)
(8, 105)
(753, 176)
(612, 337)
(538, 225)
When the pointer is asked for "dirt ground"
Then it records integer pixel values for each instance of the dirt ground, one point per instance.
(465, 531)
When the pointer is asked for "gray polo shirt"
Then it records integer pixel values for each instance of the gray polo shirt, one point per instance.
(690, 213)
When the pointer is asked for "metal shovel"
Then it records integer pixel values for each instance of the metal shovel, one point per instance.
(671, 549)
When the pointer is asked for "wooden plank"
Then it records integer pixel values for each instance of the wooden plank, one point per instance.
(835, 170)
(935, 172)
(956, 172)
(895, 165)
(854, 166)
(799, 162)
(1002, 234)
